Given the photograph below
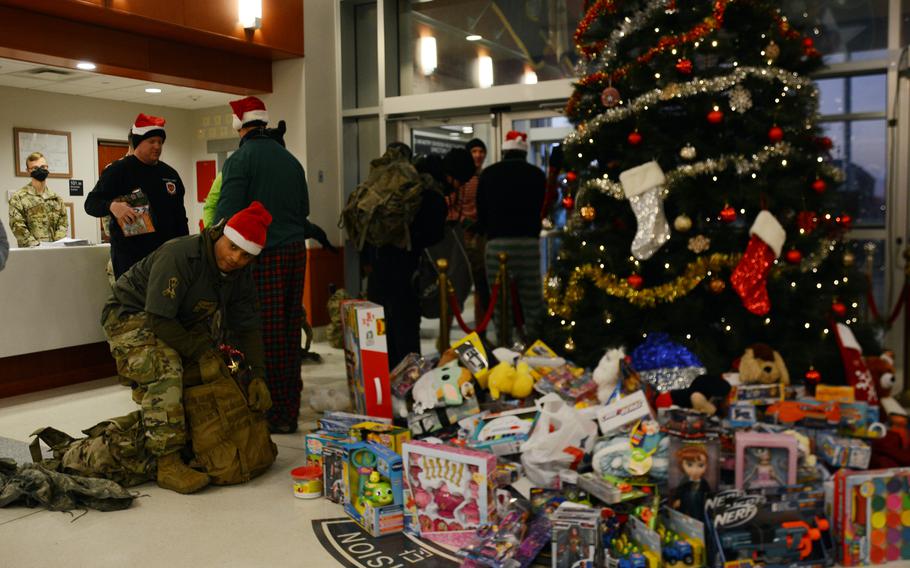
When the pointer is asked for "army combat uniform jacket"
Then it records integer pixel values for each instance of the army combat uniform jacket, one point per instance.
(189, 303)
(37, 217)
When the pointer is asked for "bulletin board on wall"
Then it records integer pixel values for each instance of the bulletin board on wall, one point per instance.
(56, 145)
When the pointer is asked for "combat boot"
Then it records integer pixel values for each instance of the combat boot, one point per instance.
(175, 475)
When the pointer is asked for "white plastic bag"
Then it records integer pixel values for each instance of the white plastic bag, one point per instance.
(560, 439)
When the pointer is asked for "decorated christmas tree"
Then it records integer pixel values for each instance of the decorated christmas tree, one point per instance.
(707, 206)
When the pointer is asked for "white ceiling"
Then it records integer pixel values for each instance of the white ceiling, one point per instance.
(26, 75)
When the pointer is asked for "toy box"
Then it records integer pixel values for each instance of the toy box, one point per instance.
(333, 470)
(449, 491)
(758, 394)
(623, 412)
(366, 357)
(373, 487)
(765, 460)
(869, 508)
(838, 451)
(314, 442)
(682, 540)
(389, 436)
(439, 418)
(502, 433)
(571, 383)
(576, 537)
(336, 421)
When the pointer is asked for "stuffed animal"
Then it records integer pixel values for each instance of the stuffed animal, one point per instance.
(706, 394)
(882, 369)
(762, 365)
(448, 385)
(607, 373)
(506, 379)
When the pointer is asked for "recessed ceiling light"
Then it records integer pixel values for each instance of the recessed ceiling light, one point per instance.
(85, 66)
(152, 90)
(474, 37)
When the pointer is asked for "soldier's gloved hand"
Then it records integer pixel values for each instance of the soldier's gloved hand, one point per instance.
(258, 394)
(212, 366)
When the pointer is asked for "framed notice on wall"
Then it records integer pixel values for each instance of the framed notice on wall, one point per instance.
(56, 145)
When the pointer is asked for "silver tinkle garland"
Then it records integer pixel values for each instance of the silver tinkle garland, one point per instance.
(629, 25)
(585, 130)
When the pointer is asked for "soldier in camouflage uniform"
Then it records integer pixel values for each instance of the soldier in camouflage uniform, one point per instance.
(37, 214)
(168, 314)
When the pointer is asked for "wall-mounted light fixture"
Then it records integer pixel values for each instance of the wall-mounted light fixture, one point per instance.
(484, 71)
(529, 77)
(250, 14)
(427, 55)
(86, 66)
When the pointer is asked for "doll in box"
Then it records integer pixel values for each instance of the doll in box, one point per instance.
(689, 496)
(762, 473)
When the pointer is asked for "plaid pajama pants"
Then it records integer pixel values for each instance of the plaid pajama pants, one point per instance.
(279, 276)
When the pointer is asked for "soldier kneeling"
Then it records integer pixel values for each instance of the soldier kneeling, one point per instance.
(165, 320)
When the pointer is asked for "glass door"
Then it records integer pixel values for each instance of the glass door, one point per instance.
(438, 135)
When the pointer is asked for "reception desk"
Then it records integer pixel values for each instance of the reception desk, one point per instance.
(50, 310)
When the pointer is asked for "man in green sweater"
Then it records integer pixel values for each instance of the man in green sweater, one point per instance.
(263, 170)
(167, 316)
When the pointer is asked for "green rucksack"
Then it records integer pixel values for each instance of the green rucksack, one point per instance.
(381, 208)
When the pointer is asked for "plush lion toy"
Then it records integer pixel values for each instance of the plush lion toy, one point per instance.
(762, 365)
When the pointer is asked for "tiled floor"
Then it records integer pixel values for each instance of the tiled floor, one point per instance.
(259, 524)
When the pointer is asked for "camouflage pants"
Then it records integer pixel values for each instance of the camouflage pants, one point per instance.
(155, 372)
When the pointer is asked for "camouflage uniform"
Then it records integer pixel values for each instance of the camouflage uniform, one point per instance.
(167, 311)
(35, 218)
(155, 371)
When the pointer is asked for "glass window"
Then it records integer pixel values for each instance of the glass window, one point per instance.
(464, 44)
(859, 150)
(848, 95)
(360, 67)
(844, 30)
(869, 257)
(426, 140)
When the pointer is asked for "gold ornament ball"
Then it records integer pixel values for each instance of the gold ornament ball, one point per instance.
(588, 213)
(570, 345)
(716, 285)
(772, 51)
(682, 223)
(849, 259)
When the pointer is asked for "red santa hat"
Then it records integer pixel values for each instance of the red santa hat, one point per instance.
(247, 228)
(146, 126)
(515, 140)
(249, 109)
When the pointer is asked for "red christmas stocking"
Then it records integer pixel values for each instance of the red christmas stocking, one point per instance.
(750, 277)
(855, 369)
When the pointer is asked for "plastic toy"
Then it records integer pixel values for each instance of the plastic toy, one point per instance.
(503, 432)
(765, 460)
(690, 495)
(790, 542)
(373, 487)
(448, 491)
(448, 385)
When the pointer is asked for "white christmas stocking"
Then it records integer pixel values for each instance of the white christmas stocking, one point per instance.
(750, 277)
(642, 186)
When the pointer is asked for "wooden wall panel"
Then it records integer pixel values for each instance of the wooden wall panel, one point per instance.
(51, 369)
(170, 11)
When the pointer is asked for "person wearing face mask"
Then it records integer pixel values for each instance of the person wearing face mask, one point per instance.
(143, 195)
(37, 214)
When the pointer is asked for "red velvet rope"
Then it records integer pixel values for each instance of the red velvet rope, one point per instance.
(453, 304)
(873, 307)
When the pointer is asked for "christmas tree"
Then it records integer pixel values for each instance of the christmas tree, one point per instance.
(707, 206)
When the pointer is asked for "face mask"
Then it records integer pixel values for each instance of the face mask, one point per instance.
(39, 174)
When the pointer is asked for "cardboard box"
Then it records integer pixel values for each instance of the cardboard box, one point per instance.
(449, 491)
(366, 357)
(333, 471)
(314, 443)
(502, 433)
(373, 488)
(389, 436)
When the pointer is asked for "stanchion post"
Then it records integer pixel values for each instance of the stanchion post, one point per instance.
(443, 265)
(505, 295)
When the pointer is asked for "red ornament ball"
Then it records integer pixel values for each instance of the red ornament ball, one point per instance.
(819, 186)
(845, 221)
(684, 66)
(715, 117)
(808, 42)
(793, 256)
(824, 143)
(776, 134)
(728, 214)
(634, 138)
(568, 202)
(813, 377)
(635, 281)
(571, 177)
(839, 309)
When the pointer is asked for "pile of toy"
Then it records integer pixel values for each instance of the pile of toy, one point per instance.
(513, 457)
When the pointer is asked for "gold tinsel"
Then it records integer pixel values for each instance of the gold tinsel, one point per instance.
(563, 305)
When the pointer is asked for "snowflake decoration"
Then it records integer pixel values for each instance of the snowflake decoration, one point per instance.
(740, 99)
(699, 244)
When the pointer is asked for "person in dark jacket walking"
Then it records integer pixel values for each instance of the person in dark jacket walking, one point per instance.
(263, 170)
(135, 190)
(509, 200)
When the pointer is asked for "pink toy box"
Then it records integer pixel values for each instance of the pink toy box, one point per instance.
(448, 491)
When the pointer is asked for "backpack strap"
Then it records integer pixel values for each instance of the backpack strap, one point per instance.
(58, 442)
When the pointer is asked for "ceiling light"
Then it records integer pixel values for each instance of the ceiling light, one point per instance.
(152, 90)
(474, 37)
(467, 129)
(85, 66)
